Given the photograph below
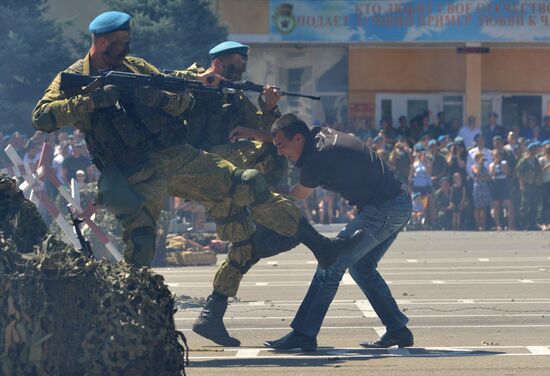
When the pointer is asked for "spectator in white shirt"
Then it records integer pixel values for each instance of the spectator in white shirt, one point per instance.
(469, 131)
(479, 148)
(57, 162)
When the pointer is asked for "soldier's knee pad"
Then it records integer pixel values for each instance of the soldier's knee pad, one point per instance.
(141, 244)
(249, 188)
(235, 227)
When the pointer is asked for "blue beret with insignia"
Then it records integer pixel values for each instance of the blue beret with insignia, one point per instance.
(109, 22)
(419, 147)
(227, 48)
(533, 145)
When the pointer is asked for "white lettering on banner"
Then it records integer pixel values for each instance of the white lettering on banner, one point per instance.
(414, 21)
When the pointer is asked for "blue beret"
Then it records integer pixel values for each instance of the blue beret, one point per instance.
(459, 139)
(432, 143)
(419, 147)
(109, 22)
(450, 145)
(441, 138)
(229, 47)
(546, 142)
(533, 145)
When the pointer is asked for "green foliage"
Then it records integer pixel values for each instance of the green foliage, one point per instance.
(172, 34)
(32, 51)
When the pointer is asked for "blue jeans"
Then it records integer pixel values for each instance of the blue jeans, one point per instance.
(381, 224)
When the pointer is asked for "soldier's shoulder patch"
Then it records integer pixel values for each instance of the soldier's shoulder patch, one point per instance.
(76, 67)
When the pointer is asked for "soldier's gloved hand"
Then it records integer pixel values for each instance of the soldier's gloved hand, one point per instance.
(105, 96)
(150, 97)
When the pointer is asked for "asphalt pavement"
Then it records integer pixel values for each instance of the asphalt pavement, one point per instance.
(478, 303)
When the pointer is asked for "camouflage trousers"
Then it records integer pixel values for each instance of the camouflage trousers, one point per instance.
(241, 256)
(235, 198)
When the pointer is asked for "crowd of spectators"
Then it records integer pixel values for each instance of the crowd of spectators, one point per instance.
(462, 177)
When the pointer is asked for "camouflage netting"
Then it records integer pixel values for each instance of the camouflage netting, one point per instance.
(62, 313)
(19, 219)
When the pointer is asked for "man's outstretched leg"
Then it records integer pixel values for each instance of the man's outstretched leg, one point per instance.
(236, 199)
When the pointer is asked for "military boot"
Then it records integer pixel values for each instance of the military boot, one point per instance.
(325, 250)
(210, 324)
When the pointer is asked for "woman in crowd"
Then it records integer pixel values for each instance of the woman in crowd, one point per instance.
(421, 181)
(459, 200)
(482, 195)
(500, 190)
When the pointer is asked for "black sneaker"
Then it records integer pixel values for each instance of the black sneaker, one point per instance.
(400, 338)
(293, 340)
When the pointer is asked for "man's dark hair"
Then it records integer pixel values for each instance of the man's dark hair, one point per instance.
(290, 125)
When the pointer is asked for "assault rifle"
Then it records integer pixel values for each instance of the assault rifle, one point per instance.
(126, 79)
(227, 86)
(85, 246)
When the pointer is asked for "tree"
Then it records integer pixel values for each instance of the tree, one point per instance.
(172, 34)
(32, 52)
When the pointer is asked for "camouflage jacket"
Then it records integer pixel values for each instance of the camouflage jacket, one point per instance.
(105, 137)
(213, 117)
(529, 171)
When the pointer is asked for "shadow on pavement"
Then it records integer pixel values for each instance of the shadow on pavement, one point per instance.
(330, 356)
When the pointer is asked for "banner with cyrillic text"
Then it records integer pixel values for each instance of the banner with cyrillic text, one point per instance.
(349, 21)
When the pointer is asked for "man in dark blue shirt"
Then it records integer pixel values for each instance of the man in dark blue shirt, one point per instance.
(342, 163)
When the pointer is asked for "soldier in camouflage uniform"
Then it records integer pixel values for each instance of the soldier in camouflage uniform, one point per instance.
(529, 174)
(230, 125)
(137, 142)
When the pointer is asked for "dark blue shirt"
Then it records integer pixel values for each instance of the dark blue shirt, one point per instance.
(344, 164)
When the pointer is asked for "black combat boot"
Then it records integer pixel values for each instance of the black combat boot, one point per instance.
(210, 324)
(325, 250)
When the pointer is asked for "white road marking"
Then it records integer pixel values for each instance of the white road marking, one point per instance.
(380, 330)
(412, 260)
(272, 263)
(526, 281)
(260, 303)
(539, 350)
(347, 280)
(357, 317)
(483, 259)
(363, 327)
(365, 308)
(466, 301)
(399, 351)
(247, 353)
